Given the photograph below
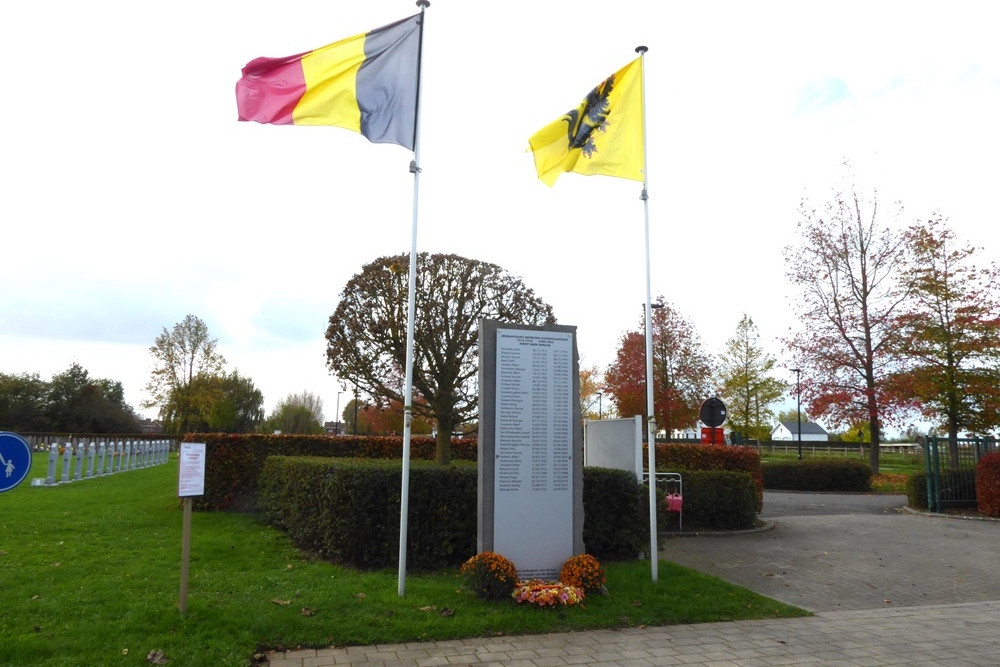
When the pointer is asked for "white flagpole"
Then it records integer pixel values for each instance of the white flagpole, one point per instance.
(411, 305)
(650, 416)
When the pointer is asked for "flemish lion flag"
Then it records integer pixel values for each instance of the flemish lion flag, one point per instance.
(602, 135)
(366, 83)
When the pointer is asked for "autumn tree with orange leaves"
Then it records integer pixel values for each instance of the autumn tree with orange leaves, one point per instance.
(846, 266)
(682, 372)
(951, 332)
(592, 392)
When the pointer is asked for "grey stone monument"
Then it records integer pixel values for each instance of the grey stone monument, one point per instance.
(530, 446)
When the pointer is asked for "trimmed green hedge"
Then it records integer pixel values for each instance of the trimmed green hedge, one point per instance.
(719, 500)
(616, 514)
(818, 475)
(347, 510)
(234, 461)
(916, 491)
(680, 458)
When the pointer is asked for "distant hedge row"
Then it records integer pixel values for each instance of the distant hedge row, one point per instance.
(818, 475)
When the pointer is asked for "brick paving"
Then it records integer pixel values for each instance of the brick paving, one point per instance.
(888, 589)
(955, 635)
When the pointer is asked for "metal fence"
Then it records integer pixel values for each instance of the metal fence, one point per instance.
(951, 470)
(860, 450)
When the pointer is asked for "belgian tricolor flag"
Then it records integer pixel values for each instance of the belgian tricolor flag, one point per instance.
(366, 83)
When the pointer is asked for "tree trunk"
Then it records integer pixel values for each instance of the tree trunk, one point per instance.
(876, 439)
(953, 404)
(874, 426)
(953, 459)
(443, 452)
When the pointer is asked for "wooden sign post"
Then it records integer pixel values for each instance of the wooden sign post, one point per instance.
(191, 483)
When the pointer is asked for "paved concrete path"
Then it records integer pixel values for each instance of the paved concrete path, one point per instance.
(783, 503)
(962, 635)
(889, 588)
(862, 560)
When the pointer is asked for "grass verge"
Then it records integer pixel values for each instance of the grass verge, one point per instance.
(90, 572)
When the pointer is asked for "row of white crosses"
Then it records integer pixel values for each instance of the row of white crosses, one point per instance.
(105, 458)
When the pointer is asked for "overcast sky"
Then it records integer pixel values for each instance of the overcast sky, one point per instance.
(131, 196)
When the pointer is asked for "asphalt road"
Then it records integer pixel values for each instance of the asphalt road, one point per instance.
(783, 504)
(830, 552)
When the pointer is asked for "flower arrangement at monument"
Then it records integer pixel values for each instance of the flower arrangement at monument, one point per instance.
(490, 575)
(547, 593)
(493, 577)
(583, 571)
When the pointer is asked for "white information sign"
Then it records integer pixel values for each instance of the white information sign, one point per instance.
(192, 470)
(533, 481)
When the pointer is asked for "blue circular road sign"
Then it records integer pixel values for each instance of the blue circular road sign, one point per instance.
(15, 460)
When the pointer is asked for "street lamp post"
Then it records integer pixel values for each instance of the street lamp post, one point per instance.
(798, 409)
(599, 412)
(336, 424)
(355, 406)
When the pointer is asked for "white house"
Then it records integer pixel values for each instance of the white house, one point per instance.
(811, 432)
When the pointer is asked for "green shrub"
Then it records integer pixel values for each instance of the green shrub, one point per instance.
(916, 491)
(679, 457)
(616, 508)
(616, 518)
(235, 461)
(718, 500)
(347, 510)
(988, 484)
(818, 475)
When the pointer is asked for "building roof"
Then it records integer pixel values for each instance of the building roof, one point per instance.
(808, 428)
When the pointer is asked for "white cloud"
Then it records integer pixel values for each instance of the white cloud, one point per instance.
(132, 197)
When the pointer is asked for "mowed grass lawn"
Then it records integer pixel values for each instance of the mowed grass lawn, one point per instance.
(90, 575)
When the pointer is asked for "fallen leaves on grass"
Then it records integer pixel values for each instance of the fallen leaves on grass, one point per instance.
(157, 657)
(283, 603)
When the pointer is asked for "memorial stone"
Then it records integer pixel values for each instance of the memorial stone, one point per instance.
(530, 446)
